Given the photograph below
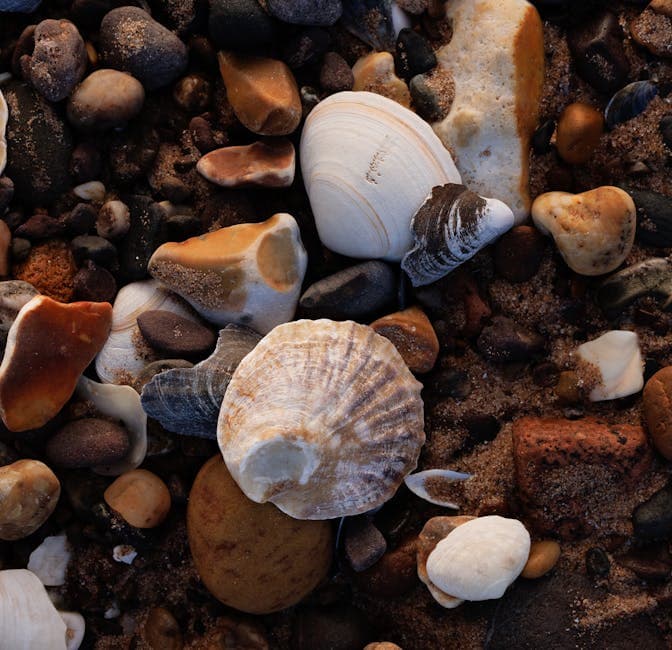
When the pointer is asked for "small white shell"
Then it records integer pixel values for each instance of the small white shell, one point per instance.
(421, 483)
(121, 403)
(368, 163)
(125, 354)
(4, 114)
(49, 561)
(91, 191)
(617, 356)
(124, 553)
(480, 559)
(323, 419)
(28, 619)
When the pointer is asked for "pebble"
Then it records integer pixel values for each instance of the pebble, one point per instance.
(94, 284)
(29, 492)
(653, 30)
(654, 218)
(413, 54)
(249, 274)
(104, 100)
(598, 564)
(412, 334)
(335, 74)
(161, 631)
(174, 335)
(594, 231)
(554, 461)
(567, 389)
(132, 41)
(59, 59)
(652, 564)
(50, 268)
(262, 92)
(653, 518)
(375, 73)
(260, 164)
(193, 93)
(394, 575)
(252, 556)
(580, 128)
(306, 12)
(597, 50)
(98, 250)
(518, 253)
(371, 21)
(658, 411)
(240, 25)
(90, 191)
(80, 220)
(306, 47)
(19, 249)
(337, 627)
(382, 645)
(87, 443)
(85, 162)
(57, 342)
(14, 294)
(432, 94)
(363, 543)
(140, 497)
(543, 557)
(6, 192)
(113, 220)
(40, 226)
(665, 127)
(505, 341)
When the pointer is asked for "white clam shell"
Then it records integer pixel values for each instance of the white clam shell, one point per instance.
(480, 559)
(323, 419)
(28, 619)
(421, 483)
(121, 403)
(4, 114)
(368, 163)
(49, 560)
(124, 354)
(618, 359)
(76, 625)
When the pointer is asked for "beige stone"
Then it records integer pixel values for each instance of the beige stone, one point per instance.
(140, 497)
(375, 73)
(543, 557)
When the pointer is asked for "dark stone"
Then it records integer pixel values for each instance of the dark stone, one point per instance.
(504, 340)
(20, 248)
(94, 283)
(413, 55)
(174, 189)
(359, 293)
(132, 153)
(85, 163)
(653, 564)
(81, 219)
(335, 627)
(306, 12)
(40, 226)
(89, 13)
(653, 518)
(449, 383)
(179, 227)
(6, 192)
(175, 335)
(654, 218)
(335, 74)
(132, 41)
(180, 16)
(193, 93)
(202, 135)
(363, 543)
(545, 374)
(480, 428)
(518, 253)
(305, 47)
(541, 138)
(94, 248)
(665, 127)
(426, 100)
(240, 25)
(371, 21)
(598, 564)
(597, 49)
(395, 574)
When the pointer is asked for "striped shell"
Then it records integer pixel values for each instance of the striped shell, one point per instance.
(323, 419)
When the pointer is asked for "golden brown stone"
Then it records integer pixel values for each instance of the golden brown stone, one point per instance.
(50, 268)
(162, 631)
(252, 556)
(262, 92)
(48, 347)
(567, 388)
(579, 131)
(543, 557)
(658, 410)
(29, 492)
(413, 335)
(375, 73)
(140, 497)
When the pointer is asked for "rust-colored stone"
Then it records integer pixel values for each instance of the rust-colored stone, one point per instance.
(50, 268)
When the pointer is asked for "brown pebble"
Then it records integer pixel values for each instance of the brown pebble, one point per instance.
(161, 631)
(543, 557)
(174, 335)
(335, 74)
(29, 492)
(658, 410)
(192, 93)
(579, 131)
(94, 283)
(50, 268)
(652, 29)
(382, 645)
(5, 243)
(394, 575)
(413, 335)
(140, 497)
(518, 253)
(567, 388)
(375, 73)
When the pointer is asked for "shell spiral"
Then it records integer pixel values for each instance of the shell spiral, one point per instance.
(323, 419)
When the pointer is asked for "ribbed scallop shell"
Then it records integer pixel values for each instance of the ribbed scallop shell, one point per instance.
(4, 114)
(323, 419)
(368, 163)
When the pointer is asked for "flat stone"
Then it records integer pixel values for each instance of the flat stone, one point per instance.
(178, 337)
(363, 543)
(505, 341)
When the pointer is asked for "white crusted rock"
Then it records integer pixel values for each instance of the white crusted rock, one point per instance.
(49, 560)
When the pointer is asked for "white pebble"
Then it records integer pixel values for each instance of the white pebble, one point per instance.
(49, 561)
(91, 191)
(114, 220)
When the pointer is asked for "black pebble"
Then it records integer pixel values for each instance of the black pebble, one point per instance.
(240, 25)
(653, 518)
(654, 218)
(665, 127)
(541, 139)
(364, 544)
(306, 46)
(414, 54)
(94, 283)
(597, 562)
(94, 248)
(504, 340)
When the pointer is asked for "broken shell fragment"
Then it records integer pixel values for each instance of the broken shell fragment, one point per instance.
(368, 163)
(49, 561)
(260, 164)
(323, 419)
(4, 113)
(617, 358)
(594, 231)
(450, 227)
(249, 274)
(430, 485)
(76, 627)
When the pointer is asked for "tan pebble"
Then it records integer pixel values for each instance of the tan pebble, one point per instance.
(543, 557)
(140, 497)
(413, 335)
(658, 410)
(567, 388)
(375, 73)
(262, 92)
(161, 630)
(579, 130)
(661, 7)
(594, 231)
(252, 556)
(5, 241)
(382, 645)
(29, 492)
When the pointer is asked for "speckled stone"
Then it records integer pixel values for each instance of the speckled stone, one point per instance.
(174, 335)
(50, 268)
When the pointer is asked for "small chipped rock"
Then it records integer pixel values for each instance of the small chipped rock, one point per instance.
(91, 191)
(49, 561)
(124, 553)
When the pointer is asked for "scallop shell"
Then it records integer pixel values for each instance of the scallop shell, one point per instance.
(450, 227)
(121, 403)
(125, 353)
(427, 485)
(187, 400)
(323, 419)
(4, 114)
(368, 163)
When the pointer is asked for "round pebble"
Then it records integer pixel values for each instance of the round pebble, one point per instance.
(140, 497)
(382, 645)
(80, 219)
(192, 93)
(98, 250)
(598, 564)
(518, 253)
(363, 543)
(579, 131)
(335, 74)
(506, 341)
(252, 556)
(114, 220)
(29, 492)
(653, 518)
(94, 283)
(543, 557)
(161, 631)
(306, 12)
(175, 335)
(414, 54)
(658, 411)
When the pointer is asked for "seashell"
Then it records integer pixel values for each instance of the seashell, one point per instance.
(125, 352)
(76, 627)
(430, 485)
(629, 102)
(618, 360)
(121, 403)
(371, 21)
(187, 400)
(368, 163)
(650, 277)
(4, 113)
(323, 419)
(49, 561)
(450, 227)
(480, 559)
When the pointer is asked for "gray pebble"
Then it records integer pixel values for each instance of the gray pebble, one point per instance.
(96, 249)
(364, 544)
(653, 518)
(306, 12)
